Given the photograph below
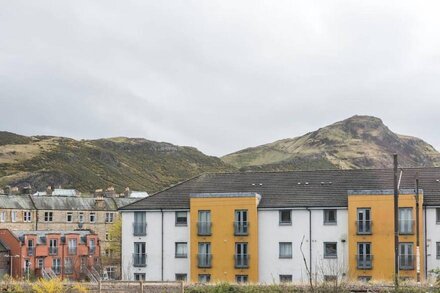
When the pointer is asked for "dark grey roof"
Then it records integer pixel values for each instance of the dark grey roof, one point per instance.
(294, 188)
(18, 202)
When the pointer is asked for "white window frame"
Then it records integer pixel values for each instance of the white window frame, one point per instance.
(13, 216)
(27, 216)
(92, 217)
(69, 214)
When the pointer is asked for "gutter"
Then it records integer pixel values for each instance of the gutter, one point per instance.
(161, 243)
(310, 244)
(426, 245)
(36, 211)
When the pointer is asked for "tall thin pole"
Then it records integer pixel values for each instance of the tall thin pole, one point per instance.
(396, 224)
(417, 231)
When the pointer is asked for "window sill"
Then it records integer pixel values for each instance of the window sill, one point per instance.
(330, 224)
(285, 257)
(181, 256)
(285, 224)
(330, 257)
(182, 225)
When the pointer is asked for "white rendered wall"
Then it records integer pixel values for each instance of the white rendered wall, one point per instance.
(153, 240)
(432, 236)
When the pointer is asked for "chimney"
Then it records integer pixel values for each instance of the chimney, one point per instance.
(14, 190)
(127, 192)
(99, 203)
(99, 193)
(49, 190)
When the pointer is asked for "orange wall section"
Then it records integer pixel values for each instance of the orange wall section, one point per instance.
(222, 236)
(382, 237)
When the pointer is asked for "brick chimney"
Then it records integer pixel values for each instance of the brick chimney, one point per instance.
(99, 203)
(49, 190)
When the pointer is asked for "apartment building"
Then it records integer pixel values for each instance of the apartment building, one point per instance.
(284, 226)
(47, 213)
(66, 254)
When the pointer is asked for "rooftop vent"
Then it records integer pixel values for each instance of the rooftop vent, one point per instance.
(307, 183)
(261, 184)
(299, 183)
(438, 180)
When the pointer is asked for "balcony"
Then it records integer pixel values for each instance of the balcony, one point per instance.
(72, 250)
(406, 262)
(53, 250)
(139, 229)
(204, 228)
(364, 261)
(31, 251)
(204, 260)
(241, 261)
(139, 260)
(241, 228)
(364, 227)
(406, 227)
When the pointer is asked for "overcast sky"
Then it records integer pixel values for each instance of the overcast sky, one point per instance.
(217, 75)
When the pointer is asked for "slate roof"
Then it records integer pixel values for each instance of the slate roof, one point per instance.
(322, 188)
(16, 202)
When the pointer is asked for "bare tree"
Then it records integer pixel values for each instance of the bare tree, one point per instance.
(309, 273)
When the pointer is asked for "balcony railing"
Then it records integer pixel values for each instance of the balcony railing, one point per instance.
(92, 250)
(31, 251)
(406, 226)
(53, 250)
(56, 269)
(204, 228)
(139, 229)
(364, 261)
(406, 262)
(72, 250)
(241, 228)
(204, 260)
(241, 260)
(364, 227)
(139, 259)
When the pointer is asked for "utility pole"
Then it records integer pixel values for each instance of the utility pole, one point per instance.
(417, 230)
(396, 224)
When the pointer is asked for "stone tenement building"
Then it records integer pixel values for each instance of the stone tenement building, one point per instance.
(27, 212)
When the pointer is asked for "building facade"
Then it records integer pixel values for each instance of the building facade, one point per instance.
(297, 226)
(68, 254)
(47, 213)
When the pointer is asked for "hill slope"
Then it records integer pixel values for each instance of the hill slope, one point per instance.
(90, 164)
(357, 142)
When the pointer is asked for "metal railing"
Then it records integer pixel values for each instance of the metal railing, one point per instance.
(92, 250)
(204, 260)
(241, 228)
(56, 269)
(406, 226)
(139, 229)
(204, 228)
(241, 260)
(31, 251)
(364, 261)
(139, 259)
(53, 250)
(364, 227)
(406, 262)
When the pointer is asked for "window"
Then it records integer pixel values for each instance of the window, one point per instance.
(285, 249)
(92, 246)
(285, 278)
(71, 246)
(2, 216)
(13, 216)
(81, 217)
(92, 217)
(204, 223)
(53, 247)
(181, 249)
(406, 256)
(181, 277)
(40, 262)
(139, 256)
(437, 213)
(364, 279)
(364, 257)
(204, 255)
(241, 222)
(69, 217)
(330, 250)
(438, 250)
(181, 218)
(108, 252)
(204, 278)
(139, 277)
(140, 224)
(241, 255)
(68, 266)
(241, 278)
(30, 247)
(48, 216)
(56, 265)
(330, 217)
(111, 272)
(27, 216)
(109, 217)
(406, 222)
(364, 221)
(286, 217)
(107, 236)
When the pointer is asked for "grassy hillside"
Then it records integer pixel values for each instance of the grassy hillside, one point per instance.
(90, 164)
(357, 142)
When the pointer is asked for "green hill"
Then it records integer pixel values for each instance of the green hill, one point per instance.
(357, 142)
(90, 164)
